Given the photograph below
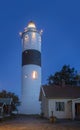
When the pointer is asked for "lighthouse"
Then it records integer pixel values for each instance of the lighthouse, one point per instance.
(31, 69)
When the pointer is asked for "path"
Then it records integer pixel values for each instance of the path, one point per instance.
(33, 123)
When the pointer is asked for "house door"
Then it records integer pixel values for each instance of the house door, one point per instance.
(77, 110)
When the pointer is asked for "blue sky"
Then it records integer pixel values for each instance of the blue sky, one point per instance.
(60, 21)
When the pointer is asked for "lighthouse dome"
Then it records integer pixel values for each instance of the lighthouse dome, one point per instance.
(31, 24)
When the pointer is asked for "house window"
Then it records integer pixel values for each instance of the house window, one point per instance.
(60, 106)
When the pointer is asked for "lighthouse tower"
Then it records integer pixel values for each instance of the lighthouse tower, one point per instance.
(31, 69)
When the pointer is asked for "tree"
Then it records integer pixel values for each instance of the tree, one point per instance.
(5, 94)
(66, 74)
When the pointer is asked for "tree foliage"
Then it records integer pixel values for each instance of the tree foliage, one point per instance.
(66, 74)
(5, 94)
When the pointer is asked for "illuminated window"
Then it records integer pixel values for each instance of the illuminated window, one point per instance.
(33, 35)
(26, 37)
(34, 75)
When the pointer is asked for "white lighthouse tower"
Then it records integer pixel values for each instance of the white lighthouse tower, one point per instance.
(31, 69)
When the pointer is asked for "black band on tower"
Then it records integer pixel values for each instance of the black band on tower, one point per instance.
(31, 57)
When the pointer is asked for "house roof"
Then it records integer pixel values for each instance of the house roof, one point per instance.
(7, 101)
(1, 104)
(65, 91)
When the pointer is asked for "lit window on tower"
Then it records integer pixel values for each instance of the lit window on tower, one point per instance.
(26, 38)
(34, 75)
(33, 35)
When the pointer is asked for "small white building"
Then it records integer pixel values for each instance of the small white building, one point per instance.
(5, 107)
(63, 101)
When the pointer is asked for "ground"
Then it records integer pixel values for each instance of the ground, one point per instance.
(36, 123)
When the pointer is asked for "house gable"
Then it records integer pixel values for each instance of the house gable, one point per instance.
(55, 96)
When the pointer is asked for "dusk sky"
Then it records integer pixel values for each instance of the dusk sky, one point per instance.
(60, 21)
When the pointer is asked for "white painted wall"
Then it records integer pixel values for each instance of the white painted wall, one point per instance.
(44, 106)
(59, 114)
(31, 39)
(30, 90)
(49, 105)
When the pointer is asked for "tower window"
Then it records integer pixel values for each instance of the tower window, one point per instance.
(26, 76)
(33, 35)
(34, 75)
(26, 37)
